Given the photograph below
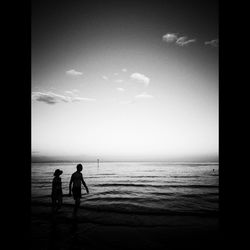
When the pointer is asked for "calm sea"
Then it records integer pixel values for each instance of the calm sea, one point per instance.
(136, 187)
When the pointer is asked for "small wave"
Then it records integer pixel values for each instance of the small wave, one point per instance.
(106, 174)
(116, 192)
(135, 210)
(142, 176)
(205, 196)
(185, 176)
(42, 182)
(199, 164)
(155, 186)
(120, 199)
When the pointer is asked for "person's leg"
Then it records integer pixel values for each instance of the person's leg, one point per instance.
(53, 204)
(75, 207)
(59, 204)
(75, 198)
(77, 204)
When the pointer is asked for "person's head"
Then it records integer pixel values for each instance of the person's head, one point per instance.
(58, 172)
(79, 167)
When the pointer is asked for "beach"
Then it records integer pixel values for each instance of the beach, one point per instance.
(135, 205)
(124, 126)
(63, 231)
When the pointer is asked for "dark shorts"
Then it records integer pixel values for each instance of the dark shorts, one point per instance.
(77, 193)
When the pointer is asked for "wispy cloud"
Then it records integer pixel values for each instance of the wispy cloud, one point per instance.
(116, 74)
(119, 80)
(182, 41)
(170, 37)
(72, 96)
(144, 95)
(52, 98)
(124, 70)
(140, 78)
(178, 40)
(120, 89)
(78, 99)
(73, 92)
(73, 72)
(137, 98)
(105, 78)
(213, 43)
(70, 93)
(49, 97)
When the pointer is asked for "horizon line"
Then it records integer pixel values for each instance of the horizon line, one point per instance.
(90, 161)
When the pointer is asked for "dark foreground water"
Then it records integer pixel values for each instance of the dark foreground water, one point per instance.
(136, 187)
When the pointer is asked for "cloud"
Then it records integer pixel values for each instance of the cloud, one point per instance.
(105, 78)
(73, 72)
(115, 74)
(182, 41)
(136, 98)
(213, 43)
(73, 92)
(120, 89)
(78, 99)
(124, 70)
(49, 97)
(52, 98)
(119, 80)
(170, 37)
(144, 95)
(69, 92)
(140, 78)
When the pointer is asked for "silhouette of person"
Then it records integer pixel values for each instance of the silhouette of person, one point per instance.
(56, 194)
(77, 180)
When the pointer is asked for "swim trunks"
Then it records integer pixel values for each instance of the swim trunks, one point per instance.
(76, 193)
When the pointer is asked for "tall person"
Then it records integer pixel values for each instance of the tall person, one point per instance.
(77, 180)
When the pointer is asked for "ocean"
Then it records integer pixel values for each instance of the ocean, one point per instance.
(119, 190)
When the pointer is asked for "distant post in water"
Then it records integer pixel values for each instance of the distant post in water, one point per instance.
(98, 162)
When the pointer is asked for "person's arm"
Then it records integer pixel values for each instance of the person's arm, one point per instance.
(84, 184)
(70, 185)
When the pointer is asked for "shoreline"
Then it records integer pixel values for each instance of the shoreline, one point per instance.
(62, 231)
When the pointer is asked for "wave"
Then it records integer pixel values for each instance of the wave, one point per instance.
(200, 195)
(106, 174)
(41, 182)
(155, 186)
(134, 210)
(185, 176)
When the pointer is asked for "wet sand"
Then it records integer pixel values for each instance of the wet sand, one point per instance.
(63, 231)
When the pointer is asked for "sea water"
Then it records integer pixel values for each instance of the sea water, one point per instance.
(148, 188)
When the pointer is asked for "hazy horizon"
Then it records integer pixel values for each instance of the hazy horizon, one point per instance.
(125, 80)
(80, 159)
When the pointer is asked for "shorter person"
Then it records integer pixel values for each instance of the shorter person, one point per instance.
(56, 194)
(77, 180)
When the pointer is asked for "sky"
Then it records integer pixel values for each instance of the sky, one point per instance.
(124, 80)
